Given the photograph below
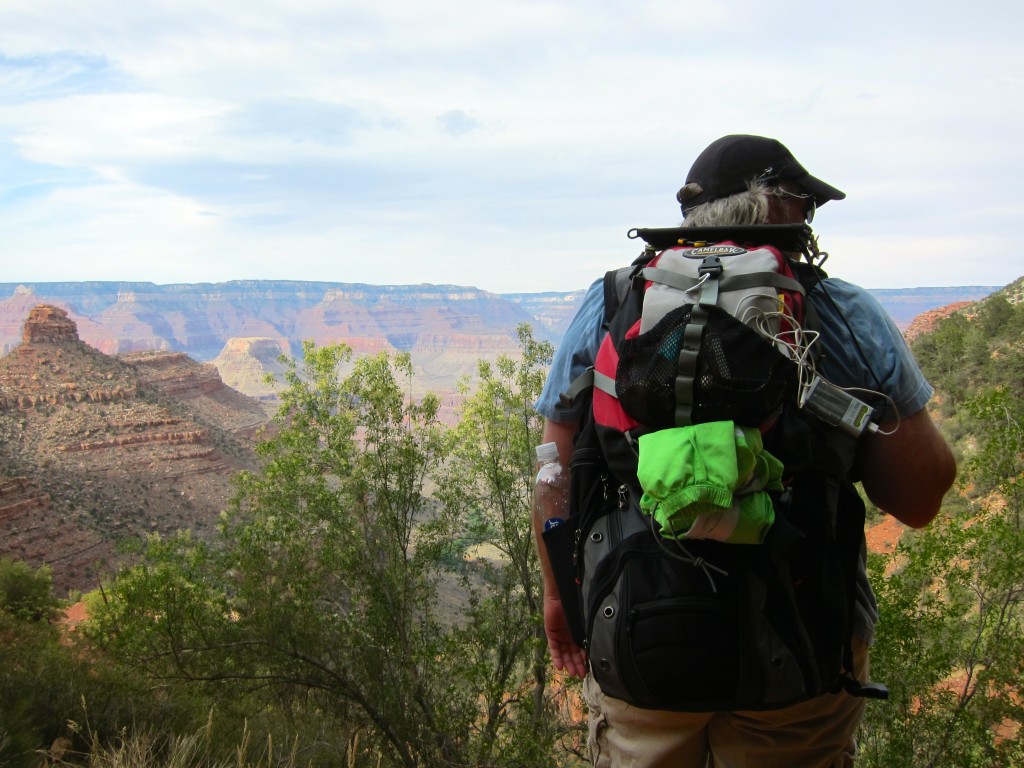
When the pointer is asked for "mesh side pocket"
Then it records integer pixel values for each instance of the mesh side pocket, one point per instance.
(740, 375)
(648, 366)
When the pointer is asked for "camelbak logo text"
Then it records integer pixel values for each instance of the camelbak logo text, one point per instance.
(715, 250)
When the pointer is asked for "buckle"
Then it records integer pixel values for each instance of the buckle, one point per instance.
(711, 266)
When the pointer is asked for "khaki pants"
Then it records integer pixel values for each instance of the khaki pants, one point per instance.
(814, 734)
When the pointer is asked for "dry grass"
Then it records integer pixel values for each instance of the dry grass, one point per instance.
(153, 750)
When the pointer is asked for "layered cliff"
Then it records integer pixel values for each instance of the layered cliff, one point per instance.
(95, 449)
(243, 326)
(198, 319)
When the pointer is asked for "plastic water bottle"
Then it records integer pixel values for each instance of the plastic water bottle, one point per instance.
(551, 489)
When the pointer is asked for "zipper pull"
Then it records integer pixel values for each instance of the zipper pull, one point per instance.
(623, 496)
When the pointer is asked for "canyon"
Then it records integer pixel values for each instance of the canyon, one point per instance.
(126, 408)
(244, 326)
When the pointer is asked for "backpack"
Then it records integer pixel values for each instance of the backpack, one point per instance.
(710, 558)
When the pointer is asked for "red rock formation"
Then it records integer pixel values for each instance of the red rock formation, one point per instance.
(177, 375)
(102, 450)
(244, 364)
(47, 324)
(926, 321)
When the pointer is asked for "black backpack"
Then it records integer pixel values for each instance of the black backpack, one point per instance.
(703, 624)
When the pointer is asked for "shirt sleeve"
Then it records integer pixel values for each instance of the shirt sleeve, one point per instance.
(576, 352)
(864, 349)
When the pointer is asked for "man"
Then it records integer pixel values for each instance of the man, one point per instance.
(905, 467)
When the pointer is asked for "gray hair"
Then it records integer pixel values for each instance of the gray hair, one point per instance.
(743, 208)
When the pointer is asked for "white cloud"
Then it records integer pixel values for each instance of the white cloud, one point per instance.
(508, 145)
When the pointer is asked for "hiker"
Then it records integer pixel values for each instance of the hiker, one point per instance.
(904, 464)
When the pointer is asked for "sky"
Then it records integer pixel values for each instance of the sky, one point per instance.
(504, 145)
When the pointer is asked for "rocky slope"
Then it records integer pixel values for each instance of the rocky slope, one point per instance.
(244, 365)
(96, 449)
(927, 321)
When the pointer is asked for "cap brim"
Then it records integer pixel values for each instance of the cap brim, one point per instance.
(822, 192)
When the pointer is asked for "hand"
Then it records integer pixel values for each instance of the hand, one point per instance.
(565, 654)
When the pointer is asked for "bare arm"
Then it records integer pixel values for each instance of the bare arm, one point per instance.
(565, 654)
(908, 472)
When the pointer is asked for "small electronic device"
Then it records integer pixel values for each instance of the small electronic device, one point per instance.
(837, 407)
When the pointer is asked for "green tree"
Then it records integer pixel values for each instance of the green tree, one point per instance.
(971, 352)
(25, 593)
(321, 598)
(997, 316)
(951, 640)
(487, 506)
(50, 677)
(31, 659)
(942, 354)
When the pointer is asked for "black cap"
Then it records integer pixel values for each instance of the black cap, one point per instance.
(729, 163)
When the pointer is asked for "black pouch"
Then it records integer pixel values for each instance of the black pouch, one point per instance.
(696, 626)
(560, 543)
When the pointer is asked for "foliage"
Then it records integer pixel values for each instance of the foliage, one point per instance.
(25, 593)
(50, 677)
(951, 642)
(31, 662)
(321, 597)
(486, 495)
(156, 748)
(963, 354)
